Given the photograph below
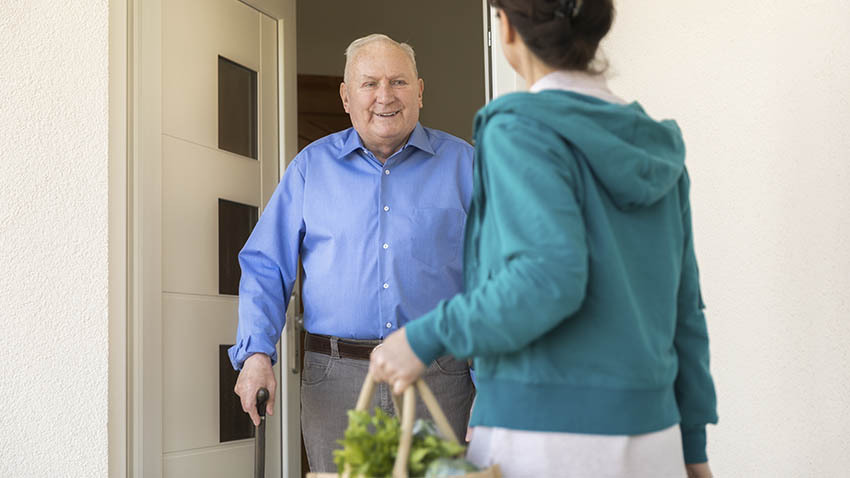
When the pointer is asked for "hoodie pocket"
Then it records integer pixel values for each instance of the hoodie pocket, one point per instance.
(437, 235)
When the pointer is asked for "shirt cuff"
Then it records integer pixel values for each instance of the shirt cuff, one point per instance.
(693, 444)
(249, 346)
(424, 339)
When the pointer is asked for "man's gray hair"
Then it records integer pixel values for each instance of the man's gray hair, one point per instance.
(359, 43)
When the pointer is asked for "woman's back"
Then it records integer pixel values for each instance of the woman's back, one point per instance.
(599, 192)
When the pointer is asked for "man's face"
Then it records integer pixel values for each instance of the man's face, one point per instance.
(382, 96)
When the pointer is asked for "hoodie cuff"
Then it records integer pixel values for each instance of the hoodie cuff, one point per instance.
(693, 444)
(424, 339)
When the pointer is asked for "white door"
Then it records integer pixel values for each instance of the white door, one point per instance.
(219, 168)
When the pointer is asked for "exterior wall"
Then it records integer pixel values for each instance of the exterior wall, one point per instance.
(53, 238)
(760, 91)
(446, 34)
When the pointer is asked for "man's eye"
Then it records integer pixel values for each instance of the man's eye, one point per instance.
(399, 82)
(369, 84)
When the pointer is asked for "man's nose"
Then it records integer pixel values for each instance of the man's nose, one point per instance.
(385, 93)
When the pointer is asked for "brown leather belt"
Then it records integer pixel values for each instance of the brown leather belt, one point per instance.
(347, 349)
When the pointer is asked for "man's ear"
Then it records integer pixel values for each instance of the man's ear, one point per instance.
(421, 90)
(343, 95)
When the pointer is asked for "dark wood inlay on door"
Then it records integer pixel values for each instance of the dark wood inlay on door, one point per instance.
(233, 423)
(237, 108)
(320, 110)
(235, 223)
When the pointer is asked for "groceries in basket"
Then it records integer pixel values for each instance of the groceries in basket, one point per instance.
(371, 444)
(380, 446)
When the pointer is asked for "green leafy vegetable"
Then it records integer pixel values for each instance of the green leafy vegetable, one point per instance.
(370, 445)
(442, 467)
(428, 447)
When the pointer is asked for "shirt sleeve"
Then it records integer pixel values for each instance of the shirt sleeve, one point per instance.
(269, 263)
(694, 386)
(528, 192)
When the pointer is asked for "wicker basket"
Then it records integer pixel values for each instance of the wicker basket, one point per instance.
(407, 418)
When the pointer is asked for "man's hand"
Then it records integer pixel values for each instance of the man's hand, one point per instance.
(256, 373)
(395, 362)
(698, 470)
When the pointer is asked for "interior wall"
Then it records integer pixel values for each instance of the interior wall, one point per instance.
(760, 90)
(447, 36)
(54, 238)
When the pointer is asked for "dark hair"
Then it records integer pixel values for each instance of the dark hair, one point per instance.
(562, 39)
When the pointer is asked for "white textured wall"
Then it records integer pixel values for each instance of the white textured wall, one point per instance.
(53, 238)
(761, 90)
(446, 34)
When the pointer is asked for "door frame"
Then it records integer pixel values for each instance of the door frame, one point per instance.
(119, 113)
(135, 230)
(502, 78)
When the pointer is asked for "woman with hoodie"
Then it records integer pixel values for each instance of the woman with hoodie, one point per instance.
(582, 306)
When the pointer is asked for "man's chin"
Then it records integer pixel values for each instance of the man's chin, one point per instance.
(390, 135)
(388, 139)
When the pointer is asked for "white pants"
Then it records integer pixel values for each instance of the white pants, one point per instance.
(522, 454)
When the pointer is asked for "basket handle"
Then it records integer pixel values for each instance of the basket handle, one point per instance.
(408, 413)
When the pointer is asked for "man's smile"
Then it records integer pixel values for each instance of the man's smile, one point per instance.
(388, 115)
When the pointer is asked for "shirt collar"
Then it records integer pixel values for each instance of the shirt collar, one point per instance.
(352, 143)
(579, 82)
(418, 138)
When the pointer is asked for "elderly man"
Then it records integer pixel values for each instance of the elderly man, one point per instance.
(376, 213)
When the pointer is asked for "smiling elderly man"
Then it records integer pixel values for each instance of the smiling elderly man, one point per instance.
(376, 213)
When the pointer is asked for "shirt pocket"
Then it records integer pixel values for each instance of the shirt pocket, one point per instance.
(437, 235)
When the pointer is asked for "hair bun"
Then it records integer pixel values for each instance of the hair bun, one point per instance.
(568, 8)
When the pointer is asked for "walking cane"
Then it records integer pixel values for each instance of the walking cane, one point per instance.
(260, 436)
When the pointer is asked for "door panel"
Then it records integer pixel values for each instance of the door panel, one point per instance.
(222, 462)
(195, 33)
(193, 178)
(190, 324)
(196, 319)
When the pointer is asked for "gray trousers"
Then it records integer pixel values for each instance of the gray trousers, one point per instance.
(330, 386)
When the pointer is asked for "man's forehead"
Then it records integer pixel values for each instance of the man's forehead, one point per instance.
(382, 59)
(375, 75)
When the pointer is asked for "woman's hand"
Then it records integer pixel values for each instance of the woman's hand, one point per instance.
(698, 470)
(395, 362)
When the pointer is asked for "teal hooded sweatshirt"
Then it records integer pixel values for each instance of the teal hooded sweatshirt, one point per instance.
(582, 305)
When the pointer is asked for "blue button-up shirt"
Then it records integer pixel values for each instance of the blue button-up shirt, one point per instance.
(381, 244)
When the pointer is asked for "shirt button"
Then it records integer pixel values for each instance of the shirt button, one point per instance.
(386, 286)
(386, 246)
(386, 208)
(387, 172)
(389, 325)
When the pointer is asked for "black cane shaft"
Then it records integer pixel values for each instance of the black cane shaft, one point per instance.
(260, 436)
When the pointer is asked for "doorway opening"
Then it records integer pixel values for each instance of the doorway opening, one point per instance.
(450, 56)
(447, 36)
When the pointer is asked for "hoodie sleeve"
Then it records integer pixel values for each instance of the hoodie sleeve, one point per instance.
(269, 262)
(528, 180)
(694, 386)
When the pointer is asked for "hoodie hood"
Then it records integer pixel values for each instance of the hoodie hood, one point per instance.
(635, 158)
